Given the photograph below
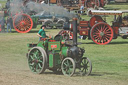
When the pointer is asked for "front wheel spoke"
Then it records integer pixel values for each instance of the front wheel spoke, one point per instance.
(71, 66)
(69, 71)
(87, 62)
(64, 68)
(83, 69)
(40, 61)
(39, 65)
(31, 57)
(65, 64)
(36, 52)
(32, 64)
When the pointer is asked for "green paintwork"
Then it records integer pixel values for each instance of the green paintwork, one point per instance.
(43, 44)
(35, 21)
(54, 45)
(40, 44)
(54, 59)
(64, 51)
(51, 60)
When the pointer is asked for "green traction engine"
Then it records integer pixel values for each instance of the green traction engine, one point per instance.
(59, 55)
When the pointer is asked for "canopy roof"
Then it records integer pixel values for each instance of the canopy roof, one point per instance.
(108, 12)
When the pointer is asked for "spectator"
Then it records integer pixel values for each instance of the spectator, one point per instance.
(9, 21)
(2, 22)
(8, 4)
(81, 8)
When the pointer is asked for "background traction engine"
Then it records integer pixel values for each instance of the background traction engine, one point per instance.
(98, 30)
(59, 55)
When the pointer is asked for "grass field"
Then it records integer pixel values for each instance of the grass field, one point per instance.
(110, 62)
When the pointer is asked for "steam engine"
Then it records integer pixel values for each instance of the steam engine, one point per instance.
(59, 55)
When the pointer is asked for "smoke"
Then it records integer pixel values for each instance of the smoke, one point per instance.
(17, 7)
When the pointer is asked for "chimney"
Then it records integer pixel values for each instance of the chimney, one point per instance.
(74, 31)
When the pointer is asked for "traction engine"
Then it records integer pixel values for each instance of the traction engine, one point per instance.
(98, 30)
(59, 55)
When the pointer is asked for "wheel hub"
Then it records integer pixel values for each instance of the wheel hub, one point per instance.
(101, 34)
(22, 23)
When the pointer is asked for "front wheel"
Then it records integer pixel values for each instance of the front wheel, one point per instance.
(68, 66)
(85, 66)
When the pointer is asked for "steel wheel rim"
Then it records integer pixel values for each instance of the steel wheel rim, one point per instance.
(85, 66)
(22, 23)
(36, 61)
(101, 33)
(61, 23)
(68, 67)
(47, 24)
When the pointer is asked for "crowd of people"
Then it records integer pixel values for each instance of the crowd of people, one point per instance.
(5, 24)
(5, 21)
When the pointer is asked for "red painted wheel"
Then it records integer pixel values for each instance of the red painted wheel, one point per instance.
(92, 3)
(22, 23)
(101, 33)
(66, 33)
(95, 19)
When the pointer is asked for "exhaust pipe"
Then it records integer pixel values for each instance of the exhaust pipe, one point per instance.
(74, 31)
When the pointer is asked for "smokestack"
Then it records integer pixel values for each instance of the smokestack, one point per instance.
(75, 31)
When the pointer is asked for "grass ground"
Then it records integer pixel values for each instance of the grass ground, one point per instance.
(110, 62)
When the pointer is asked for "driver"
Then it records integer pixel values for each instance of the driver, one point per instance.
(41, 32)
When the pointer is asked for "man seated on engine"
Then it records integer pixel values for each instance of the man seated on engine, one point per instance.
(41, 32)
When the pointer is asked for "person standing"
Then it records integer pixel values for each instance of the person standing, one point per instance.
(81, 8)
(41, 32)
(2, 24)
(8, 4)
(9, 23)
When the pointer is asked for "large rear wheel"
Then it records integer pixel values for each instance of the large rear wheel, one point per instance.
(22, 23)
(101, 33)
(37, 60)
